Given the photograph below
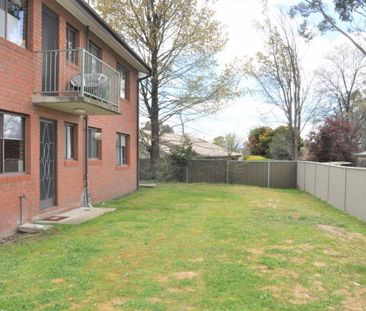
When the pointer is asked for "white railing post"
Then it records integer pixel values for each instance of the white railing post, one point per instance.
(82, 84)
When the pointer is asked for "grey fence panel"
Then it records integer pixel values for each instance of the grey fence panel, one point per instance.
(249, 173)
(283, 174)
(207, 171)
(355, 192)
(301, 175)
(342, 187)
(337, 187)
(322, 181)
(310, 168)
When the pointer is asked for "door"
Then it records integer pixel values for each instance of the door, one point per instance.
(50, 54)
(47, 163)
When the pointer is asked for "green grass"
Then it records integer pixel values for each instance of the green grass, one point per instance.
(194, 247)
(255, 158)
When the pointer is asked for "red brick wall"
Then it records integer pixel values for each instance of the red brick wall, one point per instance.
(17, 76)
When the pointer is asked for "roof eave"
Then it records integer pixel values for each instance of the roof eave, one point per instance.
(88, 16)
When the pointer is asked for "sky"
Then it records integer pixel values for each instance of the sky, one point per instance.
(244, 113)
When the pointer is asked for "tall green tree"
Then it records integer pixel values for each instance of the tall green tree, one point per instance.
(259, 140)
(343, 16)
(179, 39)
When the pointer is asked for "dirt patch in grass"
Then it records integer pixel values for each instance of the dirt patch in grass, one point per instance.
(342, 233)
(298, 295)
(256, 251)
(319, 264)
(185, 275)
(112, 305)
(58, 281)
(301, 295)
(188, 275)
(197, 260)
(355, 302)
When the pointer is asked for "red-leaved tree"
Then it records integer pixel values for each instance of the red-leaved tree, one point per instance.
(335, 140)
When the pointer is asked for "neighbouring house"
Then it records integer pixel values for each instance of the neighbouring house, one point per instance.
(360, 159)
(68, 110)
(203, 148)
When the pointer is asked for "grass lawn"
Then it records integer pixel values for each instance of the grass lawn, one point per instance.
(194, 247)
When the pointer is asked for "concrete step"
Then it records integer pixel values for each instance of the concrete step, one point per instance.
(146, 185)
(33, 228)
(76, 216)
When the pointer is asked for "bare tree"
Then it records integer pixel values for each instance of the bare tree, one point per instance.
(280, 77)
(341, 81)
(342, 88)
(180, 40)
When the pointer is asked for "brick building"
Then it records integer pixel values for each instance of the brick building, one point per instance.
(68, 110)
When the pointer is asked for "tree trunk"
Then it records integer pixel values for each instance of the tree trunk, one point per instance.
(154, 117)
(294, 143)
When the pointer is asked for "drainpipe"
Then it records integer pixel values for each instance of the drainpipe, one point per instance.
(86, 194)
(138, 130)
(21, 199)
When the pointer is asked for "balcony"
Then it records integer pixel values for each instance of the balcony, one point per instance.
(77, 82)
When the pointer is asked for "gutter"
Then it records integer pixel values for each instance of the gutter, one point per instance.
(138, 129)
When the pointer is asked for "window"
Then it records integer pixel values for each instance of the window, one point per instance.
(11, 143)
(70, 141)
(71, 44)
(124, 81)
(94, 136)
(13, 21)
(122, 149)
(93, 63)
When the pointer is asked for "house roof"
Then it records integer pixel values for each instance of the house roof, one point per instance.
(88, 16)
(202, 147)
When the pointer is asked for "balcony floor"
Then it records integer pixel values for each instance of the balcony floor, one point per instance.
(70, 104)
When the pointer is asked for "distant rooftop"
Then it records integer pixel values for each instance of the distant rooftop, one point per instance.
(202, 147)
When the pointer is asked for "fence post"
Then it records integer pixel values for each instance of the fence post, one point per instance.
(268, 173)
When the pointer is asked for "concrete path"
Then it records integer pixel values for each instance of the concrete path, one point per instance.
(77, 216)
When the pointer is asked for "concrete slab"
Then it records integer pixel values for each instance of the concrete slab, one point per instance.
(34, 228)
(77, 216)
(147, 185)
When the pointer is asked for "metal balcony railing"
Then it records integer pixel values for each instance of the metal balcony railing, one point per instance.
(77, 73)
